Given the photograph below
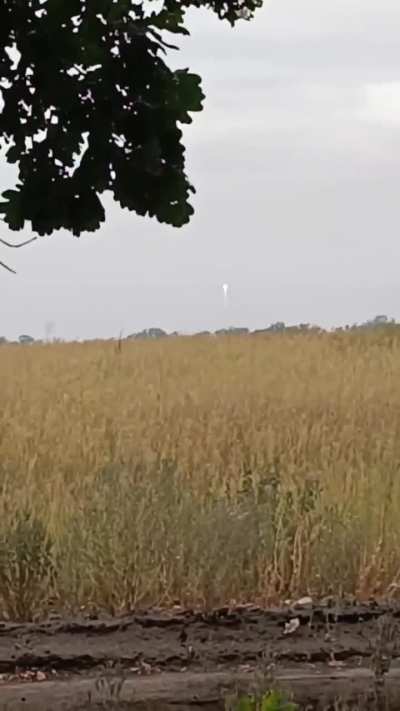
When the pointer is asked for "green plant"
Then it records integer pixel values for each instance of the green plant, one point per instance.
(26, 566)
(269, 701)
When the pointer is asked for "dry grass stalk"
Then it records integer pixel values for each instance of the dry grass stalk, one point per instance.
(201, 470)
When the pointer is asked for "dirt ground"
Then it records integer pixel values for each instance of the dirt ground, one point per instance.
(185, 658)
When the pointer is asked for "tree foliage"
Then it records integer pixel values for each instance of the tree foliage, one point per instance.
(89, 104)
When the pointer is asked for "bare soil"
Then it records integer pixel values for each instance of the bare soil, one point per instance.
(184, 658)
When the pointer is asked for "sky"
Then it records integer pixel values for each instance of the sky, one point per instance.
(295, 159)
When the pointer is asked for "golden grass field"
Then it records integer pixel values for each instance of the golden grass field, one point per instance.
(203, 471)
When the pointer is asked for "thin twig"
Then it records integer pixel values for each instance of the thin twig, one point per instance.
(14, 246)
(5, 266)
(20, 244)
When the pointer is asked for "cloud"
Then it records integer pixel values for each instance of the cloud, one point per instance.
(382, 102)
(295, 162)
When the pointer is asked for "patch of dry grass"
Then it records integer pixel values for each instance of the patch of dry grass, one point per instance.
(199, 470)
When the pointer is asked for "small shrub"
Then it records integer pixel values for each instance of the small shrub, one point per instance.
(269, 701)
(26, 566)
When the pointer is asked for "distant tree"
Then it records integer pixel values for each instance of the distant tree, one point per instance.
(277, 327)
(90, 105)
(380, 320)
(148, 334)
(232, 331)
(25, 339)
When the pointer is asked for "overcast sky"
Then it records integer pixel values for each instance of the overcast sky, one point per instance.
(296, 164)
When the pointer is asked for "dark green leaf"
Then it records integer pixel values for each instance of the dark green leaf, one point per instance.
(93, 106)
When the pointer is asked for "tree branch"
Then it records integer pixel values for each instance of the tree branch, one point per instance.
(5, 266)
(14, 246)
(20, 244)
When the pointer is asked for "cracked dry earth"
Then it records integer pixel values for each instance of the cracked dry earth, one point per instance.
(183, 658)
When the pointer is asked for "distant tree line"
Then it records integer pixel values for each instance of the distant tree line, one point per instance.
(279, 327)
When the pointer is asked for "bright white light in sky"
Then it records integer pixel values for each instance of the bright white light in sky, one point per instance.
(225, 289)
